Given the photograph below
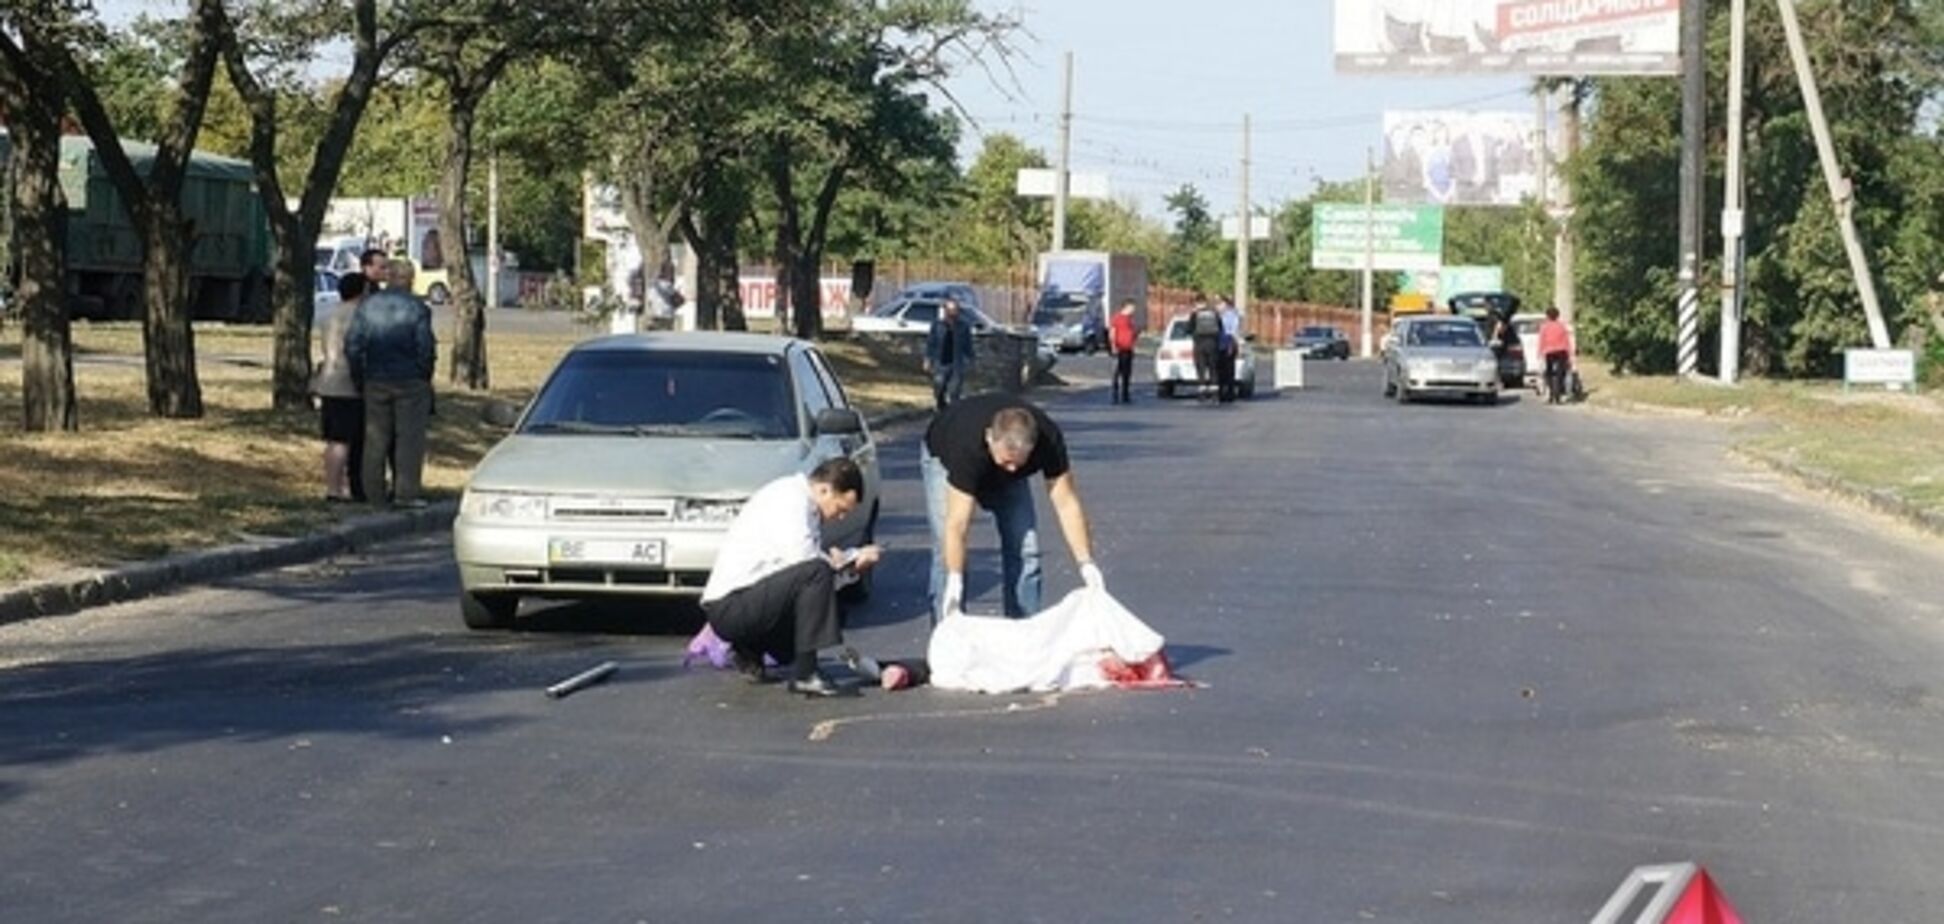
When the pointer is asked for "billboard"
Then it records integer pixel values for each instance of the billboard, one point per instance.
(1460, 158)
(1401, 237)
(1578, 37)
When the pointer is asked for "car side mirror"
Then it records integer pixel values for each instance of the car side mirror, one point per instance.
(838, 421)
(502, 414)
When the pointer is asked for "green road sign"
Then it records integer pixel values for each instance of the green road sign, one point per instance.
(1402, 237)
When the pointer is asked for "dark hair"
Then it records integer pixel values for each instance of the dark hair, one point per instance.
(352, 285)
(1552, 314)
(841, 474)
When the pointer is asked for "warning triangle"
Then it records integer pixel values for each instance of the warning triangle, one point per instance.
(1702, 903)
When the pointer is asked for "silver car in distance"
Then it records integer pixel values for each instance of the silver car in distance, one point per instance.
(1440, 355)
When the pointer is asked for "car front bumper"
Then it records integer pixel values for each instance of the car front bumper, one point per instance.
(509, 557)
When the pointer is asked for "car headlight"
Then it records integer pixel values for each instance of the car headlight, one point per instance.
(503, 505)
(710, 512)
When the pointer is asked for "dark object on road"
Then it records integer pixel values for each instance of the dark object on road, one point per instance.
(583, 680)
(1322, 342)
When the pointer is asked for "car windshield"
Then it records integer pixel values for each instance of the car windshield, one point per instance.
(1444, 334)
(1060, 308)
(667, 393)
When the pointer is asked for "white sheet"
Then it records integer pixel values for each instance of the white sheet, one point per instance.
(1059, 648)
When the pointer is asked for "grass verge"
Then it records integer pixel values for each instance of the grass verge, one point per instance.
(1869, 439)
(131, 487)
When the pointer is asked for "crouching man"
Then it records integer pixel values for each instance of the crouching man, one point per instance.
(774, 587)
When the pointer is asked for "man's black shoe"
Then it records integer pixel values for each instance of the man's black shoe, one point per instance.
(817, 685)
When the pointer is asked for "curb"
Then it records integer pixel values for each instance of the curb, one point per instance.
(66, 595)
(1879, 500)
(62, 596)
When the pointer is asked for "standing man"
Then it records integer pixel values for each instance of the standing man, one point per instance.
(372, 264)
(948, 353)
(1231, 349)
(1556, 345)
(1205, 325)
(1121, 339)
(393, 354)
(983, 451)
(773, 590)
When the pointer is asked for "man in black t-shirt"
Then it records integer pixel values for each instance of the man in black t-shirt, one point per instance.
(983, 451)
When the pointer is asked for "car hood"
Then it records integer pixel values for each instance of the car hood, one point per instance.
(637, 466)
(1460, 354)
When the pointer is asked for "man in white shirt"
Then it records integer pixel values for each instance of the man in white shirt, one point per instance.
(773, 590)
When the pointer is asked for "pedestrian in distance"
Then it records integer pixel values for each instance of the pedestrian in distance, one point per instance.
(982, 452)
(1231, 346)
(1205, 326)
(340, 406)
(773, 589)
(949, 353)
(1121, 339)
(1556, 345)
(393, 353)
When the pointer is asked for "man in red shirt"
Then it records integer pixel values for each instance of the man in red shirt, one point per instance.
(1556, 345)
(1121, 340)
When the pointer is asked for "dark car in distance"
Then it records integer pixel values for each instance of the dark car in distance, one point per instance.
(1321, 342)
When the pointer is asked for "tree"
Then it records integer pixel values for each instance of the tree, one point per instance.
(154, 202)
(31, 93)
(994, 226)
(280, 36)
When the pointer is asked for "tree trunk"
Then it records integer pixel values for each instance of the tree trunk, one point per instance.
(293, 293)
(40, 246)
(806, 281)
(169, 345)
(468, 368)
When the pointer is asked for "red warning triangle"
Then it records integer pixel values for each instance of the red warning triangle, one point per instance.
(1702, 903)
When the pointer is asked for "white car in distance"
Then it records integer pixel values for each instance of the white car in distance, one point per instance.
(1174, 363)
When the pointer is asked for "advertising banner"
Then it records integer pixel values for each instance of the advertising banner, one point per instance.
(759, 296)
(1577, 37)
(1403, 237)
(1460, 158)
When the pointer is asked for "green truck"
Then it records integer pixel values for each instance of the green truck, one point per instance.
(229, 274)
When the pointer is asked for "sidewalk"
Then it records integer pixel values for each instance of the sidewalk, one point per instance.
(86, 588)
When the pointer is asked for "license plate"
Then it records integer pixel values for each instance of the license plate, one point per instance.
(606, 551)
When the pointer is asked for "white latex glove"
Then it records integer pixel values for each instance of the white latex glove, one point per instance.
(1091, 576)
(952, 599)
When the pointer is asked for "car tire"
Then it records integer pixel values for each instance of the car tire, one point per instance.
(488, 611)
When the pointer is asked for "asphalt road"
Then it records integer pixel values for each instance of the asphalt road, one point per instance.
(1460, 664)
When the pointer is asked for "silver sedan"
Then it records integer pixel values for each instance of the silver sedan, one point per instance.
(1443, 356)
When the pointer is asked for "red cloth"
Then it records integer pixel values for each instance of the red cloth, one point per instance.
(1124, 334)
(1554, 338)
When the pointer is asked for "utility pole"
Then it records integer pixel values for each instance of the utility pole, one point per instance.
(1733, 218)
(1242, 236)
(1062, 184)
(1841, 191)
(1370, 248)
(1694, 112)
(492, 232)
(1565, 282)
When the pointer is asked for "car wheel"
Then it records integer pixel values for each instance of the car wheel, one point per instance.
(1403, 395)
(488, 611)
(1164, 389)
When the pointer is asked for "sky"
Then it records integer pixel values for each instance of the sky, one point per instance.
(1159, 91)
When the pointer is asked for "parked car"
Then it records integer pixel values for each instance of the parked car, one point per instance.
(1321, 343)
(324, 300)
(1493, 313)
(1174, 363)
(1440, 356)
(1527, 327)
(1068, 322)
(915, 316)
(964, 292)
(626, 469)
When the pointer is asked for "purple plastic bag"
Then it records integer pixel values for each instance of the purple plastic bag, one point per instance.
(708, 646)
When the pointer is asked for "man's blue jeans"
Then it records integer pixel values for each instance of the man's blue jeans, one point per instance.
(1019, 555)
(948, 383)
